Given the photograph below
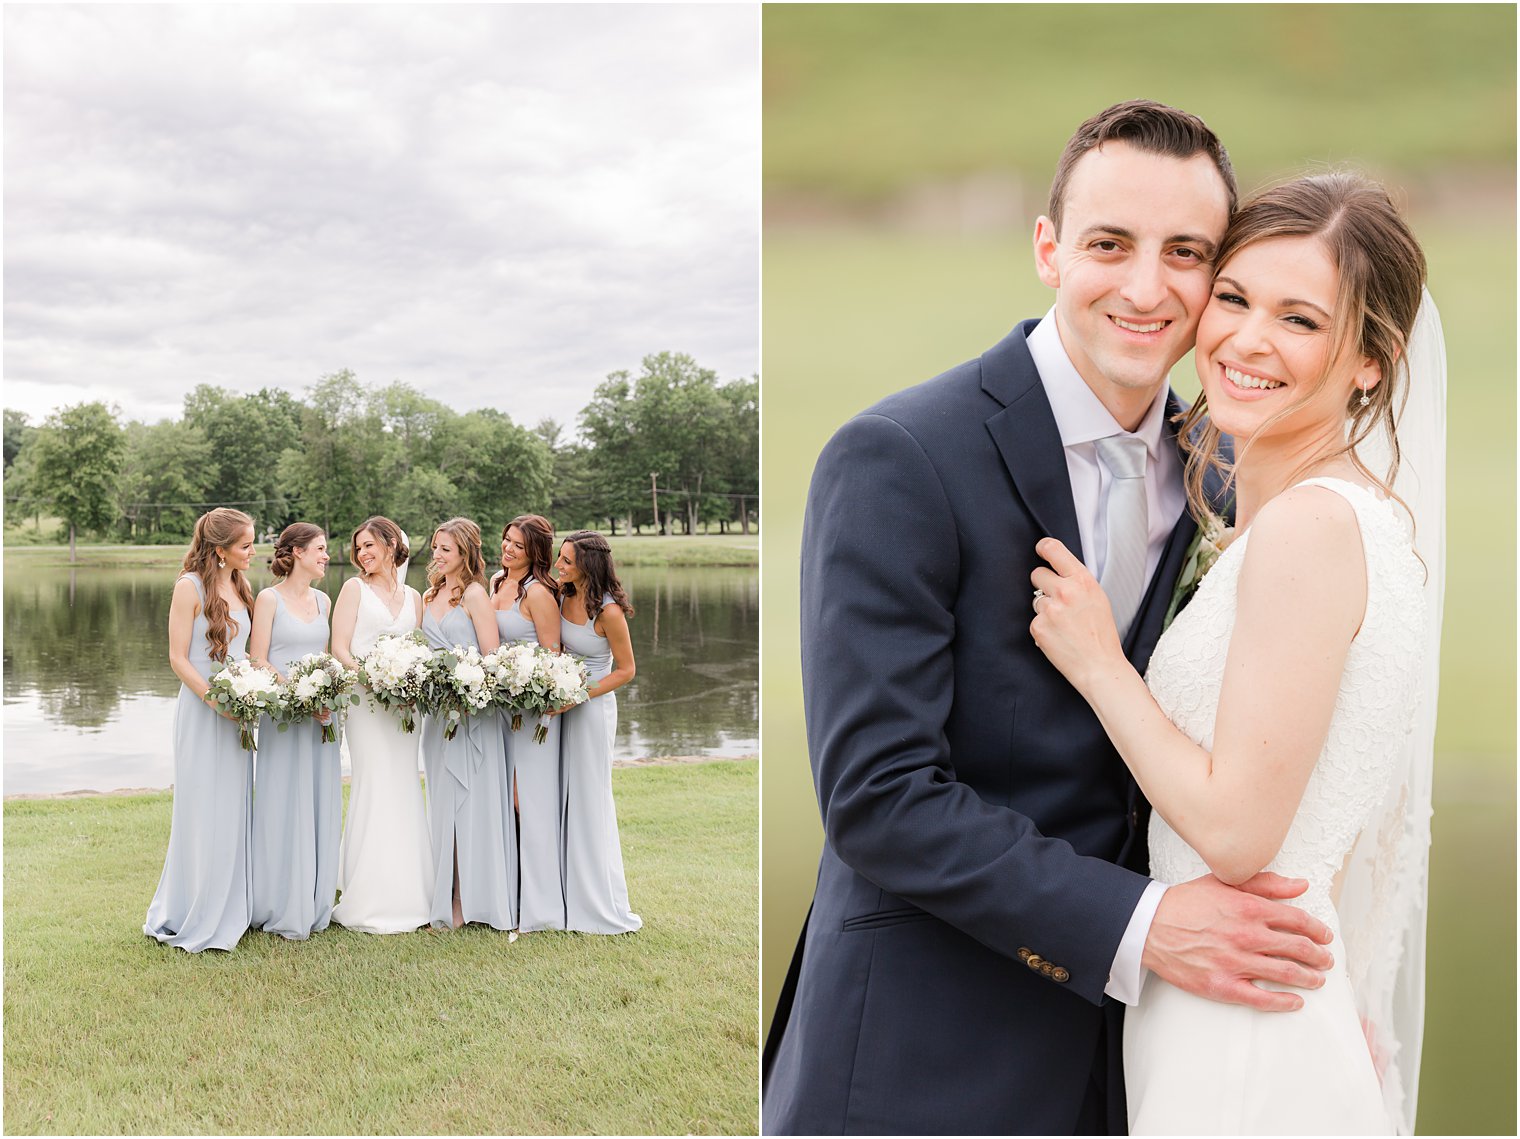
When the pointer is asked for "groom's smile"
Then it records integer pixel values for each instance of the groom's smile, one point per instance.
(1132, 266)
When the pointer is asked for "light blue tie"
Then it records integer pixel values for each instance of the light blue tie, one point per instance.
(1123, 576)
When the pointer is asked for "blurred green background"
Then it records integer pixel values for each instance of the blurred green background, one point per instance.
(908, 150)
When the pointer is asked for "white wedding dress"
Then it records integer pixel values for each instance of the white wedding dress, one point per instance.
(385, 869)
(1194, 1066)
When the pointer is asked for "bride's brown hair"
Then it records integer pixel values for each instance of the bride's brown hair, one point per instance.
(221, 527)
(1382, 273)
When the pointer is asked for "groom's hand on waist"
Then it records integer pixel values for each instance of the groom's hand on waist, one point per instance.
(1213, 940)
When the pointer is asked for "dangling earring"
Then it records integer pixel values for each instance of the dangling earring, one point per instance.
(221, 563)
(1366, 399)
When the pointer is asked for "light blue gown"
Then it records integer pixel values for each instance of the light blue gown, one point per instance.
(203, 895)
(469, 803)
(297, 800)
(540, 797)
(596, 891)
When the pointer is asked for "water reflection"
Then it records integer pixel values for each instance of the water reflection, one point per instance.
(89, 695)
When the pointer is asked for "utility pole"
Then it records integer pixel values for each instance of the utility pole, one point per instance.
(654, 495)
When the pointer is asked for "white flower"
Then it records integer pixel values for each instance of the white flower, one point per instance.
(470, 675)
(310, 685)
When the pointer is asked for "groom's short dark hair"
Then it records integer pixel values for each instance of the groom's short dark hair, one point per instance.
(1146, 125)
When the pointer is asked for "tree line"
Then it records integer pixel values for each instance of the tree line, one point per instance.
(670, 448)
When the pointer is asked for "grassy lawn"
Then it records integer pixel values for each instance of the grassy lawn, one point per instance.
(648, 1033)
(639, 550)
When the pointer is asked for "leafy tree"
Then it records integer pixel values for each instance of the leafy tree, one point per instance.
(79, 456)
(163, 475)
(17, 433)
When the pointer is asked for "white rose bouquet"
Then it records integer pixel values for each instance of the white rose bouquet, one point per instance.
(458, 685)
(515, 667)
(317, 684)
(245, 691)
(396, 673)
(558, 679)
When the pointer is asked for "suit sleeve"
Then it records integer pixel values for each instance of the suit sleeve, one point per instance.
(879, 582)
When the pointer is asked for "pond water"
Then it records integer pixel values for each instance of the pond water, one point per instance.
(89, 698)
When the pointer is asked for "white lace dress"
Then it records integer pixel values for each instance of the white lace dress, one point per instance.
(1194, 1066)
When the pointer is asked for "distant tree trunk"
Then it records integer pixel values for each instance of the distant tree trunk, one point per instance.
(744, 514)
(73, 557)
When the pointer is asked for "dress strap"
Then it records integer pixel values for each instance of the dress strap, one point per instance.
(195, 580)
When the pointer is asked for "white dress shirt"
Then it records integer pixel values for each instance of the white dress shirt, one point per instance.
(1082, 419)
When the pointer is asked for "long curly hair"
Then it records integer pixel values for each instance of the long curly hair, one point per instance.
(466, 535)
(593, 561)
(1382, 271)
(538, 543)
(220, 527)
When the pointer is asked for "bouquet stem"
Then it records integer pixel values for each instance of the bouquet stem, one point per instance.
(517, 721)
(329, 733)
(541, 733)
(245, 737)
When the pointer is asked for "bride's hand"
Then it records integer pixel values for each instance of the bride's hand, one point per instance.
(1073, 624)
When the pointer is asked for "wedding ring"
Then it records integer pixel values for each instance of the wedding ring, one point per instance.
(1039, 593)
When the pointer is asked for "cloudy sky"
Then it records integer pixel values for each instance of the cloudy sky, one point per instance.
(497, 205)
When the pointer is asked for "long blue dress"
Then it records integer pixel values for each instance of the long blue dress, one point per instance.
(540, 796)
(469, 803)
(204, 892)
(297, 800)
(596, 891)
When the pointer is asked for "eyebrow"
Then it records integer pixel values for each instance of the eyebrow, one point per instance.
(1207, 246)
(1286, 302)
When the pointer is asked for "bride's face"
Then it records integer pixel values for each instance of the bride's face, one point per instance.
(1265, 339)
(372, 554)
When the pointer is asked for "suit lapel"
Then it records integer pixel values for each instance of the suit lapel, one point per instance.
(1027, 438)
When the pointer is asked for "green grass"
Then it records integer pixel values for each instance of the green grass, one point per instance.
(681, 550)
(852, 315)
(649, 1033)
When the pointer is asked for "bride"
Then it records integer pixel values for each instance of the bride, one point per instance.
(1275, 728)
(386, 863)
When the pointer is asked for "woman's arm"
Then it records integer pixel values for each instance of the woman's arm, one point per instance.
(263, 629)
(345, 616)
(477, 603)
(182, 610)
(614, 626)
(1300, 599)
(539, 605)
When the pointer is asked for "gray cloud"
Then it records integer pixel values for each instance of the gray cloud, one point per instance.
(495, 204)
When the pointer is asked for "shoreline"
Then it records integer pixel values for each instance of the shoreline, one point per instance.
(646, 761)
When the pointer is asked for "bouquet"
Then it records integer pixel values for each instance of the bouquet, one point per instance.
(459, 685)
(515, 667)
(244, 691)
(317, 683)
(396, 673)
(558, 679)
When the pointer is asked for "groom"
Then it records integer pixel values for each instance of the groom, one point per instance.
(982, 913)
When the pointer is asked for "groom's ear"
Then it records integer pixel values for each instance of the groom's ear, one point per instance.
(1045, 242)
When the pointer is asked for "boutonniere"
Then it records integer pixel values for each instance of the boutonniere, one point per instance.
(1212, 537)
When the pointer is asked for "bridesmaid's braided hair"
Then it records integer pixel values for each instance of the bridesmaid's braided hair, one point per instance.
(593, 559)
(221, 527)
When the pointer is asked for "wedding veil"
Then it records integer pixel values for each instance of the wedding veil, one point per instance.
(1383, 896)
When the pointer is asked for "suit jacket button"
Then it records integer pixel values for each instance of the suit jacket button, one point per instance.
(1034, 962)
(1023, 953)
(1047, 968)
(1134, 819)
(1060, 975)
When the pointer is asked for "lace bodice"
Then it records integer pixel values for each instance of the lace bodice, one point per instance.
(1373, 709)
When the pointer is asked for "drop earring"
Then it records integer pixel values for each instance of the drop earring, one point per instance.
(221, 563)
(1366, 399)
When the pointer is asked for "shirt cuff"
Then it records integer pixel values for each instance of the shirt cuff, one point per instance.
(1125, 975)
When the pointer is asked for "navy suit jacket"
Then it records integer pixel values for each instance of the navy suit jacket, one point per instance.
(985, 844)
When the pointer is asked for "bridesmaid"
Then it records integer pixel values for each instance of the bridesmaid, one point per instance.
(527, 612)
(386, 864)
(594, 624)
(298, 784)
(202, 900)
(469, 800)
